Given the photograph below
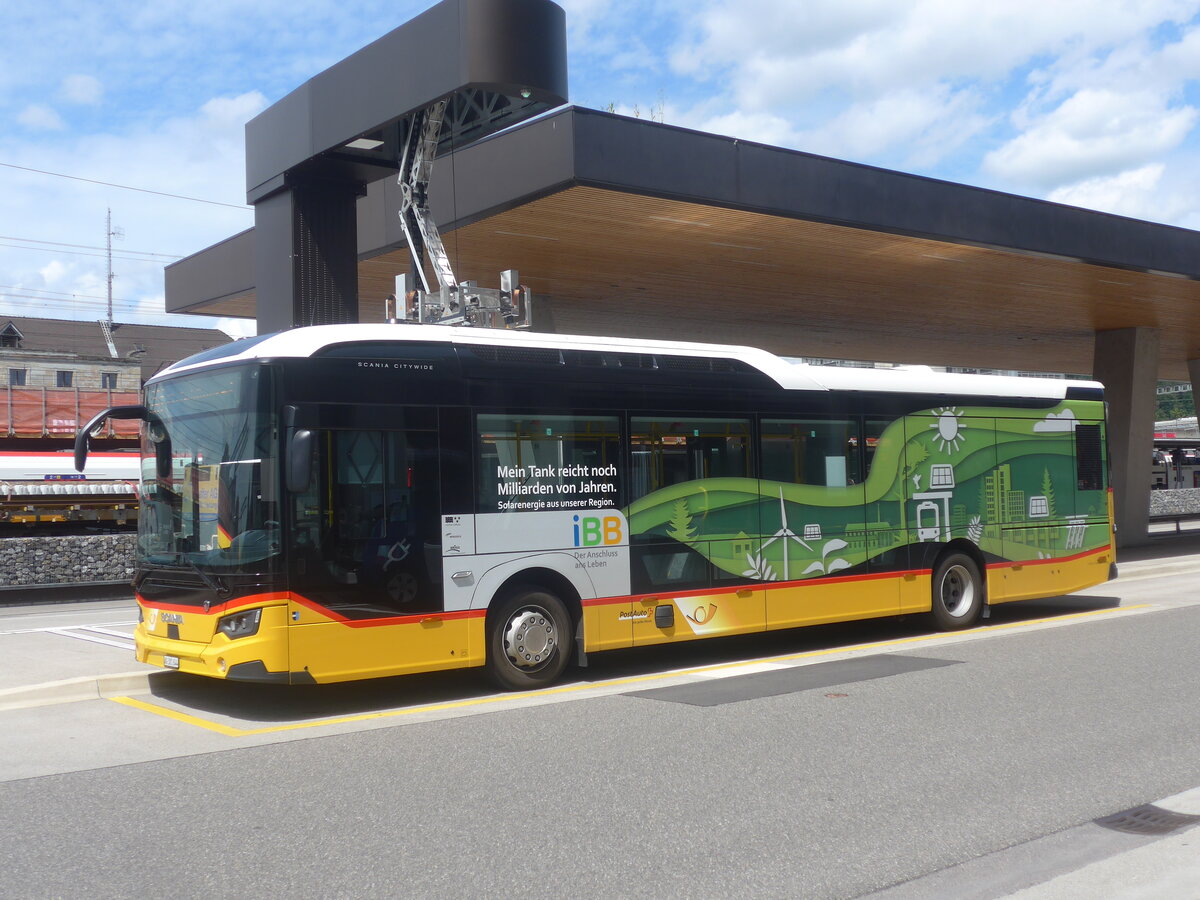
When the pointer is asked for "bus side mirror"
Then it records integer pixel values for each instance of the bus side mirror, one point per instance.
(299, 460)
(84, 437)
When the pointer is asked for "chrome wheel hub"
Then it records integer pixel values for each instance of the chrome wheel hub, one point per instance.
(957, 591)
(530, 638)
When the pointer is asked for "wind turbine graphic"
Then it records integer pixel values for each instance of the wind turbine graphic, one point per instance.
(783, 533)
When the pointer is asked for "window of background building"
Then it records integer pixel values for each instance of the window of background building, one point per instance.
(108, 381)
(63, 379)
(16, 377)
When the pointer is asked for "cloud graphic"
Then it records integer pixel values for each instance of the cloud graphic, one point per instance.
(1063, 421)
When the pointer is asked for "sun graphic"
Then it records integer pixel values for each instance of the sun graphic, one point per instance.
(949, 429)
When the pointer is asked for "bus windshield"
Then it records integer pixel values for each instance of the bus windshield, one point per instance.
(209, 473)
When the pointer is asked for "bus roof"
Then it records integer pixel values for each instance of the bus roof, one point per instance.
(791, 375)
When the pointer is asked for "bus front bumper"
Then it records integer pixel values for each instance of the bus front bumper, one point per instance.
(261, 657)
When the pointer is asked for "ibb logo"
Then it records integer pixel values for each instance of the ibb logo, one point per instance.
(592, 531)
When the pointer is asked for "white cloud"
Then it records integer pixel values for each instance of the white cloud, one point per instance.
(774, 50)
(200, 155)
(1092, 133)
(53, 273)
(761, 127)
(920, 126)
(1097, 85)
(1124, 193)
(82, 89)
(39, 117)
(237, 328)
(1063, 421)
(1157, 192)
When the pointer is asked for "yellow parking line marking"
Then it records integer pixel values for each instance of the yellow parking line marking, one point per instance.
(230, 731)
(180, 717)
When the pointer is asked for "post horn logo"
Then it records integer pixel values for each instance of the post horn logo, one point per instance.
(702, 616)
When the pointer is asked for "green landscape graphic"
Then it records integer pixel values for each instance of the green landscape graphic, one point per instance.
(1001, 478)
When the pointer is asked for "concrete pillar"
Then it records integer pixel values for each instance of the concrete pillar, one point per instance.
(1126, 363)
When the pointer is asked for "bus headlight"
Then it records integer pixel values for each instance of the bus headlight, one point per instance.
(239, 625)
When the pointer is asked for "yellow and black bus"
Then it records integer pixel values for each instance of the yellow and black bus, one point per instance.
(353, 501)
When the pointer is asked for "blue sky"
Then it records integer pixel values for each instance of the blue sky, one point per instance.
(1089, 102)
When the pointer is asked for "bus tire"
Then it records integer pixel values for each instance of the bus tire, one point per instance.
(529, 640)
(957, 592)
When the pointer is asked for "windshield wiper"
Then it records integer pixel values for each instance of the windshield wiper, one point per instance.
(212, 582)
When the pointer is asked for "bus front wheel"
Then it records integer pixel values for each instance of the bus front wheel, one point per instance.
(529, 638)
(957, 592)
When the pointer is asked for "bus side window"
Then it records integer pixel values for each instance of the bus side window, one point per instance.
(531, 463)
(1089, 458)
(811, 451)
(873, 430)
(672, 450)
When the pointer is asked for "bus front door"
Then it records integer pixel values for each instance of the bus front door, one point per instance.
(366, 559)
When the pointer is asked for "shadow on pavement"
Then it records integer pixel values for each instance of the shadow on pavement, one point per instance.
(251, 704)
(1162, 546)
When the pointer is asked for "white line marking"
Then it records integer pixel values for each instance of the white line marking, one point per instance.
(1186, 803)
(95, 629)
(747, 669)
(56, 628)
(65, 632)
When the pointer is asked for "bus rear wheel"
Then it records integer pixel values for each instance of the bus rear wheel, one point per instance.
(957, 593)
(529, 637)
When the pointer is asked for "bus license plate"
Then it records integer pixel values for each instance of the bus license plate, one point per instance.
(171, 662)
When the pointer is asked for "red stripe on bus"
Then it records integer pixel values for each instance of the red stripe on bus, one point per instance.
(285, 597)
(217, 609)
(444, 616)
(1046, 562)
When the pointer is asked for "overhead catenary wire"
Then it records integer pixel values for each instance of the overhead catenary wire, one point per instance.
(85, 307)
(136, 259)
(70, 298)
(5, 237)
(38, 290)
(126, 187)
(136, 256)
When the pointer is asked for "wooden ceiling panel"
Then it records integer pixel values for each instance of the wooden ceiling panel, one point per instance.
(606, 262)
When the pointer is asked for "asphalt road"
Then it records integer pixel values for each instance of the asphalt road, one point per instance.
(826, 763)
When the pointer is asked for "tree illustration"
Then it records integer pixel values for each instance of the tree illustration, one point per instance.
(681, 523)
(916, 454)
(1048, 491)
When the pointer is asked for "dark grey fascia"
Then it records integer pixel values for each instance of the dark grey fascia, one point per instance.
(579, 146)
(217, 273)
(587, 147)
(515, 48)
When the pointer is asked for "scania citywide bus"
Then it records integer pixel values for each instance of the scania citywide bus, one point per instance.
(354, 501)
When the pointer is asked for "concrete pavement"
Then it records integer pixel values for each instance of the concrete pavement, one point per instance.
(53, 654)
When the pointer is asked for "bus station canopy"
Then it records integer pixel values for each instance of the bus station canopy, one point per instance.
(627, 227)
